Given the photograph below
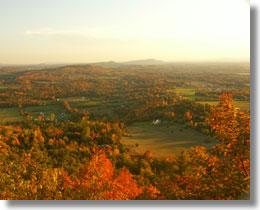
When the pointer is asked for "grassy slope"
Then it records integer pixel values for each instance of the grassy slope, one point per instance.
(164, 140)
(243, 105)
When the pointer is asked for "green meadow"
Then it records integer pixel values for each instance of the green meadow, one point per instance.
(164, 140)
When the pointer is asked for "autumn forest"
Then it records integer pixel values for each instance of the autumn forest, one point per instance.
(125, 131)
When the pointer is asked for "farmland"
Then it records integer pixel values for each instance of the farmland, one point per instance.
(164, 140)
(243, 105)
(123, 94)
(146, 127)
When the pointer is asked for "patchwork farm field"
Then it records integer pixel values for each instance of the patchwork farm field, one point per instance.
(242, 105)
(9, 115)
(164, 140)
(13, 115)
(188, 93)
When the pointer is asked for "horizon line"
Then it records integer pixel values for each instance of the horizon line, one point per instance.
(126, 61)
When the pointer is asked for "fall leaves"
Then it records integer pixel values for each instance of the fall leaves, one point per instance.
(63, 161)
(86, 160)
(232, 128)
(98, 181)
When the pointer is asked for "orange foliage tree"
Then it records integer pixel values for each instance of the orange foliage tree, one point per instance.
(98, 180)
(221, 172)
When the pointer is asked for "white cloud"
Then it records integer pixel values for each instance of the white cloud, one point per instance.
(50, 32)
(123, 33)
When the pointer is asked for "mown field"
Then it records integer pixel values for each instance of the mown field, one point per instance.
(164, 140)
(11, 114)
(243, 105)
(189, 93)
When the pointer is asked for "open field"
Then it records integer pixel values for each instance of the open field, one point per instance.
(188, 93)
(243, 105)
(45, 109)
(164, 140)
(10, 115)
(185, 91)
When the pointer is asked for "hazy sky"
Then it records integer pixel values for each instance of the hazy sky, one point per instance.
(36, 31)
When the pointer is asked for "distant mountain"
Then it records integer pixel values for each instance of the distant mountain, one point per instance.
(144, 62)
(107, 64)
(113, 64)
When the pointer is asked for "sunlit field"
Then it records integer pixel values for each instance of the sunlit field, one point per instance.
(164, 140)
